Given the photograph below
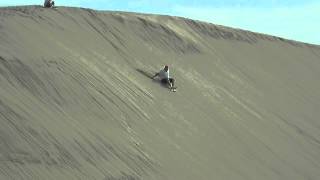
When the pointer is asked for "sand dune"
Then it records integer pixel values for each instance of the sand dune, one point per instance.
(76, 101)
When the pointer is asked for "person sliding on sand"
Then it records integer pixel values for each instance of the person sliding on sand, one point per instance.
(48, 3)
(165, 77)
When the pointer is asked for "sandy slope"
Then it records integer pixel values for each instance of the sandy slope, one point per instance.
(76, 101)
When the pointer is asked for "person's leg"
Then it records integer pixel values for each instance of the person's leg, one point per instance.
(171, 81)
(52, 5)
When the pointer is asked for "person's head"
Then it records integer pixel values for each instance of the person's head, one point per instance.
(166, 68)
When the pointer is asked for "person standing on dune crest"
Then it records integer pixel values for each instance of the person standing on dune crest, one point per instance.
(165, 78)
(48, 3)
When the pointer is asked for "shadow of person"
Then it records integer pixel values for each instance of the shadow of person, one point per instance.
(145, 73)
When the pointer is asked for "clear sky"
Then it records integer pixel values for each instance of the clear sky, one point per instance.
(292, 19)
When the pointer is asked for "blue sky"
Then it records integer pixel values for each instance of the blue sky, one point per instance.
(293, 19)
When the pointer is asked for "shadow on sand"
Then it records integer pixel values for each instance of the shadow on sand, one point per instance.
(145, 73)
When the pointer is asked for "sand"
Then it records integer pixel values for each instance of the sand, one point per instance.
(76, 101)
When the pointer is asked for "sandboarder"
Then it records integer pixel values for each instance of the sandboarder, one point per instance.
(165, 78)
(48, 4)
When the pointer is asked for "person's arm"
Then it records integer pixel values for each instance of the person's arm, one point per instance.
(155, 75)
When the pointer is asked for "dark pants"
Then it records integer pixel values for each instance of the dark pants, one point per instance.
(168, 81)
